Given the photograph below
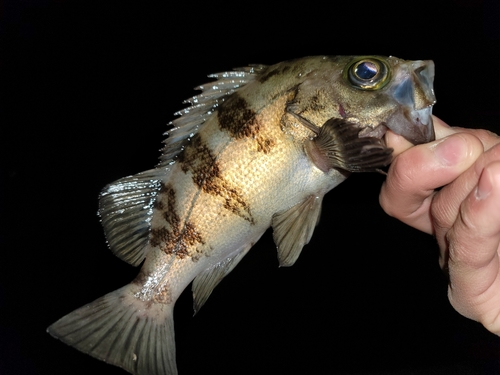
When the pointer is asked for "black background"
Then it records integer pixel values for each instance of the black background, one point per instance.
(87, 89)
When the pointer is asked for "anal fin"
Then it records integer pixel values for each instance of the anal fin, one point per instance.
(206, 281)
(293, 228)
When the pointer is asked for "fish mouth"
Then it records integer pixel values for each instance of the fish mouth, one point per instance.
(416, 126)
(414, 93)
(423, 131)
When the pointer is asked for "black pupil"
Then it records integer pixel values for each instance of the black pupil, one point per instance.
(366, 70)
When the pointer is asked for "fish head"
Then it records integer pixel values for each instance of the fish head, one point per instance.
(375, 93)
(380, 93)
(350, 102)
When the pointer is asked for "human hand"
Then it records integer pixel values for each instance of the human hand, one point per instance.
(464, 214)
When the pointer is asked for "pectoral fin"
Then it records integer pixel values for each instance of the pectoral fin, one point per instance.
(206, 281)
(338, 145)
(293, 228)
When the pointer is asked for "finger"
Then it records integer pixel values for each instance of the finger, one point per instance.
(442, 129)
(397, 143)
(446, 203)
(414, 175)
(474, 244)
(487, 138)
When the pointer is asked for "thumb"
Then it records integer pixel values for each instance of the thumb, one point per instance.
(415, 174)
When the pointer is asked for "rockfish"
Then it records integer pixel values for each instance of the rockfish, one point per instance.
(259, 147)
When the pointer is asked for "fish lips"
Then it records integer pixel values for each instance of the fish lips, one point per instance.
(416, 125)
(413, 90)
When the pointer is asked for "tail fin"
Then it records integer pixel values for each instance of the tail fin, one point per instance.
(123, 330)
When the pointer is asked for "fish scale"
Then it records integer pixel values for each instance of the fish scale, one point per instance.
(258, 148)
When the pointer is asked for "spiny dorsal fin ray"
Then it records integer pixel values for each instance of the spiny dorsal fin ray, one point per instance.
(206, 281)
(125, 205)
(125, 208)
(293, 228)
(202, 107)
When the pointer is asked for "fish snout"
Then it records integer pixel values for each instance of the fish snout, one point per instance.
(423, 79)
(414, 92)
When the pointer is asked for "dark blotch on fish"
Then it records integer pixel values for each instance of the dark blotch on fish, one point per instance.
(202, 163)
(273, 72)
(180, 237)
(236, 117)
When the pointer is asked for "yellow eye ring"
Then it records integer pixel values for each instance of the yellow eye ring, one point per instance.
(367, 73)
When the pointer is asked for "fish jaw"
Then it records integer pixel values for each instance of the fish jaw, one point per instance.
(416, 126)
(413, 90)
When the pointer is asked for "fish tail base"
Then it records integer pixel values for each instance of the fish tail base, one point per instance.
(123, 330)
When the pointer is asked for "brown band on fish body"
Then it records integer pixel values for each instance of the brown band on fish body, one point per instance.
(286, 70)
(315, 107)
(237, 117)
(206, 173)
(158, 205)
(268, 73)
(169, 212)
(158, 236)
(180, 241)
(180, 238)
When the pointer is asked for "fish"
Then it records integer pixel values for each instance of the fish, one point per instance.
(259, 147)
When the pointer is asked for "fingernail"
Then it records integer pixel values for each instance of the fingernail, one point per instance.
(451, 150)
(484, 185)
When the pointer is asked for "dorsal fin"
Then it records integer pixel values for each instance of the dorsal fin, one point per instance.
(125, 208)
(203, 106)
(126, 204)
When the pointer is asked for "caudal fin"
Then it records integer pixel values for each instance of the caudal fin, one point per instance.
(120, 329)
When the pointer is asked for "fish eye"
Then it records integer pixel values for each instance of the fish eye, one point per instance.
(368, 73)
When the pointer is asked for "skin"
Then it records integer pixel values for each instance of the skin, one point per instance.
(464, 215)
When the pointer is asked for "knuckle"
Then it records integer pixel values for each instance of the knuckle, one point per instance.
(484, 134)
(401, 176)
(440, 213)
